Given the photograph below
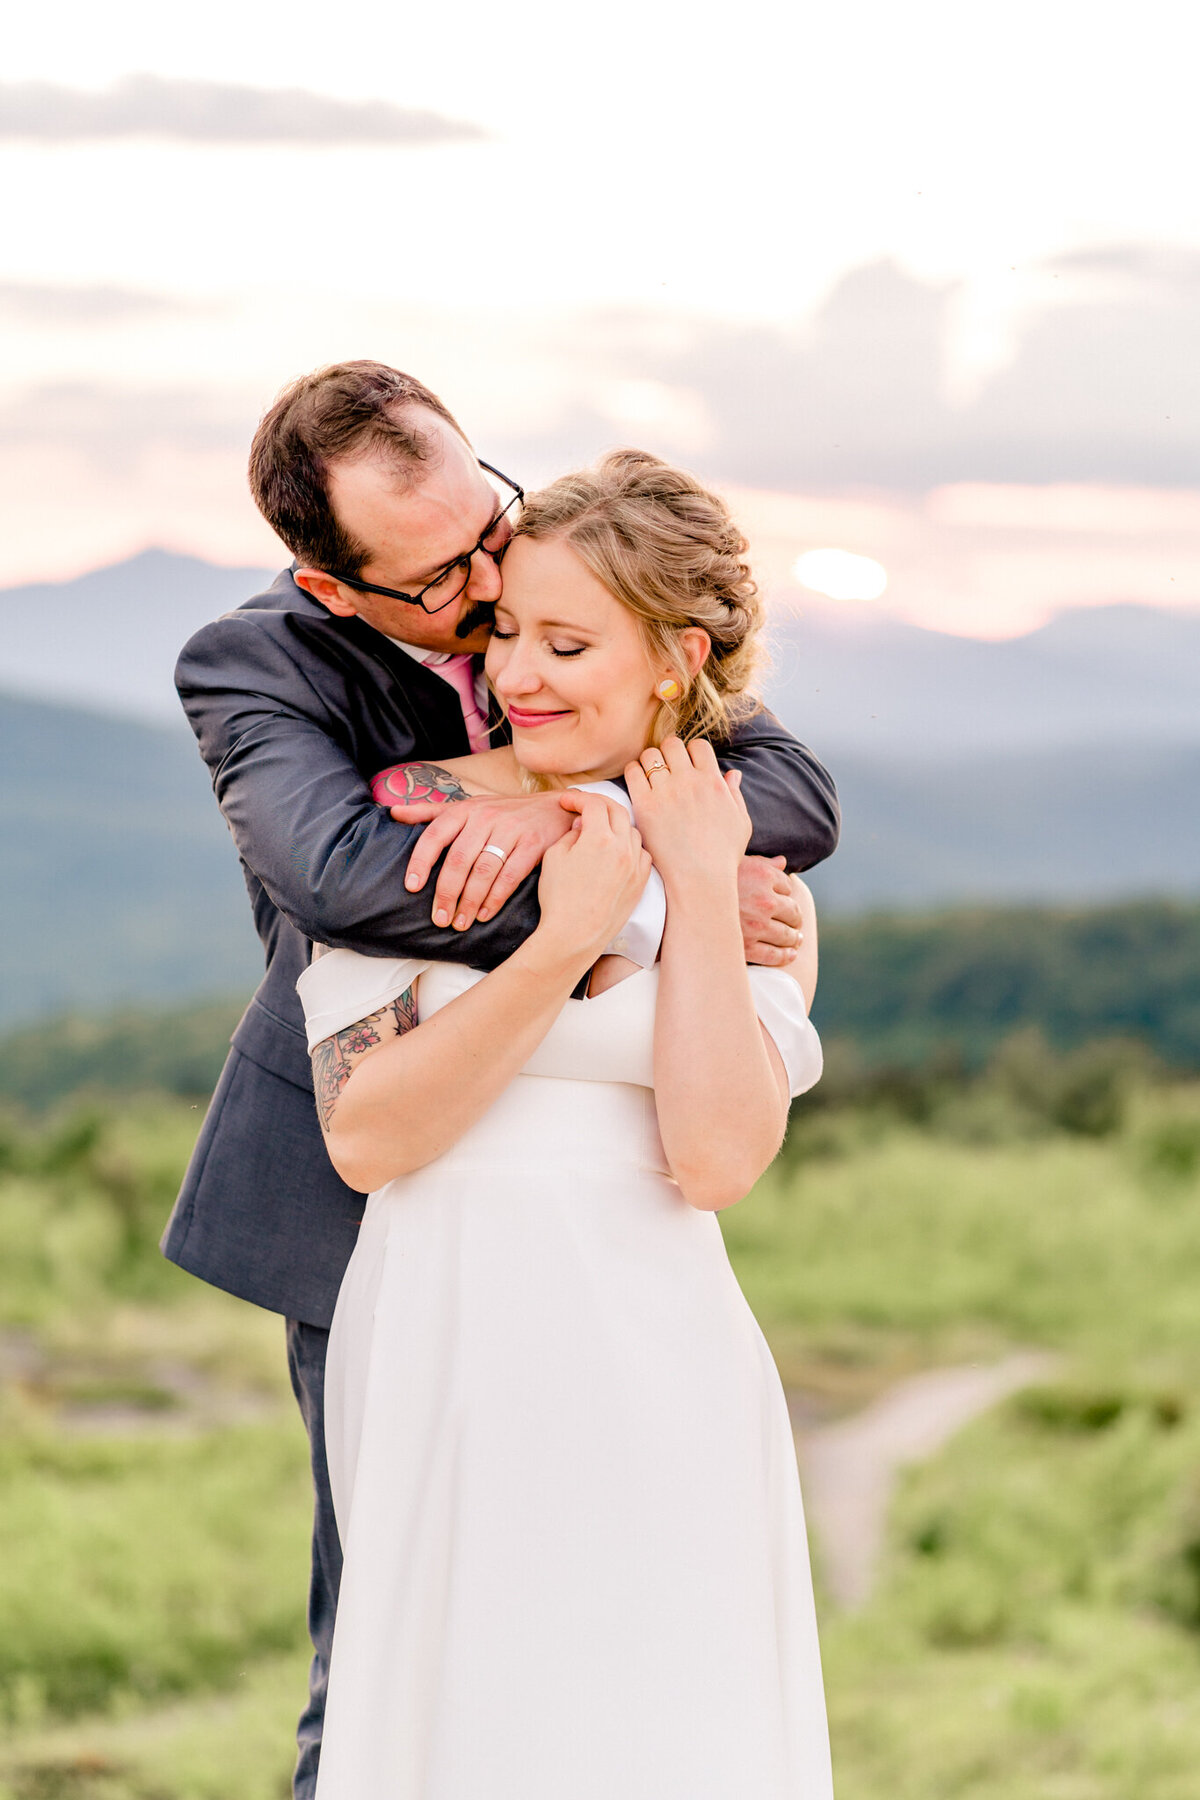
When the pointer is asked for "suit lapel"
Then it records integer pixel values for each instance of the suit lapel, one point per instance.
(439, 727)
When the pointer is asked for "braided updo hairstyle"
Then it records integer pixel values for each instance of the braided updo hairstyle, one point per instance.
(667, 549)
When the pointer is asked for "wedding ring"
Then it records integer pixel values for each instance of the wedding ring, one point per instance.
(654, 768)
(494, 850)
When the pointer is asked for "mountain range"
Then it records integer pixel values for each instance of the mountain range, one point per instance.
(1062, 766)
(849, 680)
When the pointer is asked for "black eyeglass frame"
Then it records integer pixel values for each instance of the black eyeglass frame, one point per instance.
(458, 562)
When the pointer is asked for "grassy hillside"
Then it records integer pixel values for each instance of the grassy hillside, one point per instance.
(118, 880)
(1037, 1626)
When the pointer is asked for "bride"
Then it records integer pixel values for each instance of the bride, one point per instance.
(562, 1466)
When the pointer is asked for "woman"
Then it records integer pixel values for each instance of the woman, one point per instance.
(560, 1455)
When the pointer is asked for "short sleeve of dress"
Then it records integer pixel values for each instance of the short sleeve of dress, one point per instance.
(780, 1006)
(343, 986)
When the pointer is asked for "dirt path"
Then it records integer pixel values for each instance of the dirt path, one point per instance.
(849, 1469)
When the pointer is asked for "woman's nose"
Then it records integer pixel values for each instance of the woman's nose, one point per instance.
(517, 676)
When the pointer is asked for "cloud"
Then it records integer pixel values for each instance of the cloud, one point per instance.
(57, 305)
(1103, 386)
(214, 112)
(115, 427)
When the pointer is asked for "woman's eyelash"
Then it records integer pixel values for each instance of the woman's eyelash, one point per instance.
(504, 636)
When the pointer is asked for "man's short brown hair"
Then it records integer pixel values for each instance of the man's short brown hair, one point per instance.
(349, 409)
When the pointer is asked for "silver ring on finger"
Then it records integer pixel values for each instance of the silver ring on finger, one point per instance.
(495, 850)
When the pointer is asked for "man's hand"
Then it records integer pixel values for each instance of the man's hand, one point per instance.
(475, 881)
(772, 925)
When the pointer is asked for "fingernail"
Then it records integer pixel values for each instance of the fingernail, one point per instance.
(441, 918)
(485, 912)
(460, 924)
(410, 882)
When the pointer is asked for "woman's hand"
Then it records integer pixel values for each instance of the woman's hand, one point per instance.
(591, 879)
(692, 818)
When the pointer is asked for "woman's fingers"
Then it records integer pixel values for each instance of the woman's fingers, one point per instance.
(676, 756)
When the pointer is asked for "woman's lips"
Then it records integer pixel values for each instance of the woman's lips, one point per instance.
(525, 721)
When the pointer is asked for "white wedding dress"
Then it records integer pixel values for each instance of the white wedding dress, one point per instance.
(561, 1460)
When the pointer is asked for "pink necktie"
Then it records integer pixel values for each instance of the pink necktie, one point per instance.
(459, 671)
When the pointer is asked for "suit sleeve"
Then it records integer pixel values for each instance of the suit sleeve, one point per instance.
(791, 799)
(302, 815)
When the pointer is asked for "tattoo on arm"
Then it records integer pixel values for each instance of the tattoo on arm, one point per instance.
(334, 1059)
(408, 782)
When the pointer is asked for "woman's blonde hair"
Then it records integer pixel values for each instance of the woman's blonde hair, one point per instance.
(667, 549)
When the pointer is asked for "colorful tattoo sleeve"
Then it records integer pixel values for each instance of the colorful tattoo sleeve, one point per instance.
(334, 1059)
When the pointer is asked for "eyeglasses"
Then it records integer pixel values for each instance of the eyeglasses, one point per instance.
(493, 543)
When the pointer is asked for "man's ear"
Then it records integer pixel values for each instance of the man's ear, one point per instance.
(329, 592)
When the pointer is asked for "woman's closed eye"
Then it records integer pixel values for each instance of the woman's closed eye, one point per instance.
(506, 637)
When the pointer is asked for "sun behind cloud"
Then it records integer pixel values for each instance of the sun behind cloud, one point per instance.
(840, 574)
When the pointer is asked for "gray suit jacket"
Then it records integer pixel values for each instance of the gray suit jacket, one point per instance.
(294, 711)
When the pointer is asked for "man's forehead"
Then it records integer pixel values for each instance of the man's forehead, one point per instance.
(417, 527)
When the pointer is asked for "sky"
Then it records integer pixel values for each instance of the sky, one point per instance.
(918, 284)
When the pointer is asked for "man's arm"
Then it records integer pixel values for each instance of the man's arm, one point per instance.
(302, 815)
(791, 799)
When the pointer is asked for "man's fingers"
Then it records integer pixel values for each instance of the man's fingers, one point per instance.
(522, 861)
(768, 956)
(778, 936)
(452, 877)
(444, 827)
(786, 911)
(479, 887)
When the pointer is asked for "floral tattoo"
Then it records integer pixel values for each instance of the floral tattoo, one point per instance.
(334, 1058)
(407, 783)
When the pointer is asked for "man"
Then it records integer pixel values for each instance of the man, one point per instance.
(358, 657)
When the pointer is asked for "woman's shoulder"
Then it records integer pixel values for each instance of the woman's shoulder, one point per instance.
(340, 987)
(489, 772)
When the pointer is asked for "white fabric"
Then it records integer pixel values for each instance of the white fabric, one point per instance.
(561, 1461)
(342, 987)
(640, 938)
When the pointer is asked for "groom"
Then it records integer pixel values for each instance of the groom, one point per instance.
(365, 653)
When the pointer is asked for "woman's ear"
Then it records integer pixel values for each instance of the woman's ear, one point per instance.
(329, 592)
(695, 644)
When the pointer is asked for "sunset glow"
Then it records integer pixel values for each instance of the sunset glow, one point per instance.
(840, 574)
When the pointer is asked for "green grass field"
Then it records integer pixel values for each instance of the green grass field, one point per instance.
(1036, 1630)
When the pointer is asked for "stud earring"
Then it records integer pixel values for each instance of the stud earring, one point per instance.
(667, 690)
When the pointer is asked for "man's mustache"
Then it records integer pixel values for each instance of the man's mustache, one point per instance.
(480, 617)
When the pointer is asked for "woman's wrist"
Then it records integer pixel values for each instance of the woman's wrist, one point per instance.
(548, 955)
(704, 885)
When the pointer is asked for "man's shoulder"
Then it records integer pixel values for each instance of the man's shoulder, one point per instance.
(282, 624)
(274, 608)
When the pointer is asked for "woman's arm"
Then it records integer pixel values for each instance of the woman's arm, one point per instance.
(720, 1085)
(391, 1099)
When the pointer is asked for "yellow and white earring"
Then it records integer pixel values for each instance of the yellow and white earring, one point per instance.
(668, 690)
